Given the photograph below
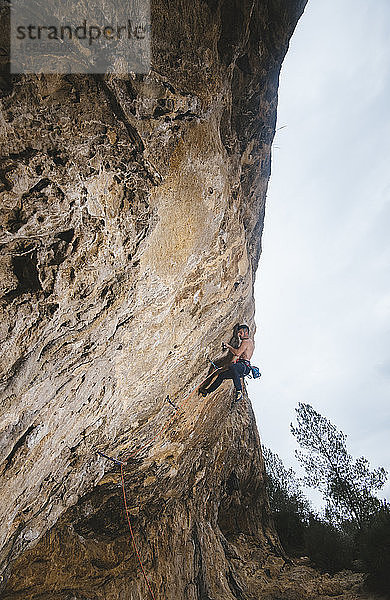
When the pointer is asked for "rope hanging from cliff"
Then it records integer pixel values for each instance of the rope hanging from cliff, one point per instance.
(178, 407)
(132, 535)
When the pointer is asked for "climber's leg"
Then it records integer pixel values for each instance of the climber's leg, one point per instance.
(217, 382)
(237, 370)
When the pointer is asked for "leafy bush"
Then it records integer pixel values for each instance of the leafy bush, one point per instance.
(328, 548)
(374, 550)
(290, 529)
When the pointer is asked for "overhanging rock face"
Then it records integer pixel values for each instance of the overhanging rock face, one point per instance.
(132, 211)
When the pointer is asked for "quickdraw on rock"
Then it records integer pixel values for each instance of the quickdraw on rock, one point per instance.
(114, 460)
(171, 403)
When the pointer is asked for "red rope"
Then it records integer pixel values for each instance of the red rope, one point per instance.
(123, 479)
(132, 535)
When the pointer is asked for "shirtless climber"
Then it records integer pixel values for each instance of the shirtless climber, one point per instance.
(239, 366)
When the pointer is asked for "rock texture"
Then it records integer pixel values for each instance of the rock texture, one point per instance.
(131, 211)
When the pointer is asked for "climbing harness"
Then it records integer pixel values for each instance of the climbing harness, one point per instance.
(245, 361)
(254, 372)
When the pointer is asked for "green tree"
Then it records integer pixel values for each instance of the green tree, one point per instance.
(348, 484)
(290, 508)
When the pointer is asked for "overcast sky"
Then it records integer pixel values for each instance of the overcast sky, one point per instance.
(323, 285)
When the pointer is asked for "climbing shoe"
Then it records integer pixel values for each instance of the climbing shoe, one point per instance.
(203, 393)
(238, 396)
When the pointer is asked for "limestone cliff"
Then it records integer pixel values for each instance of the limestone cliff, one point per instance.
(131, 211)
